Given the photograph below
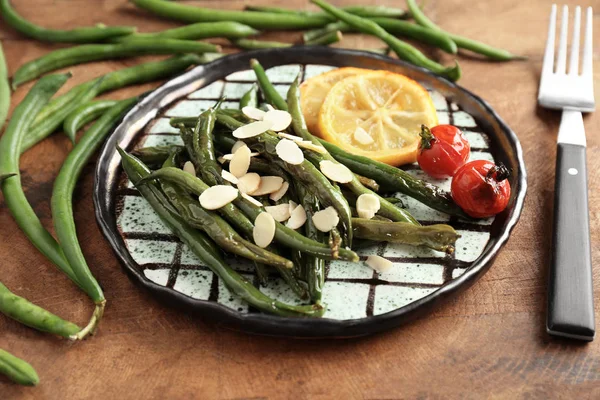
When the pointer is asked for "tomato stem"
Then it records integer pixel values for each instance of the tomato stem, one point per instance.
(498, 172)
(426, 137)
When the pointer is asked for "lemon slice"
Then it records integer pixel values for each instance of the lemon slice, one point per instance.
(388, 107)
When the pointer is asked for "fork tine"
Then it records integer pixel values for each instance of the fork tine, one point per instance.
(548, 65)
(587, 45)
(561, 59)
(574, 59)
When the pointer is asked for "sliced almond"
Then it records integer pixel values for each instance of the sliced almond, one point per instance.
(229, 177)
(218, 196)
(221, 160)
(229, 157)
(189, 168)
(268, 185)
(335, 171)
(362, 136)
(379, 263)
(249, 182)
(240, 162)
(297, 218)
(269, 107)
(367, 205)
(281, 119)
(280, 212)
(308, 145)
(264, 229)
(288, 136)
(289, 152)
(276, 196)
(252, 129)
(237, 145)
(325, 220)
(253, 113)
(292, 204)
(252, 200)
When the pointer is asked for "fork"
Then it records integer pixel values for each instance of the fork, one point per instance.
(570, 293)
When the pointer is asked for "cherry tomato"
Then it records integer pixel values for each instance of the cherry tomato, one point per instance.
(442, 150)
(481, 189)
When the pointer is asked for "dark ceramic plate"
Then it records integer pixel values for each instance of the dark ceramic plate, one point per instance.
(359, 301)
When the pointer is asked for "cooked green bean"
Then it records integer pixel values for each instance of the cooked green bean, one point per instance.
(155, 156)
(4, 89)
(84, 114)
(250, 44)
(258, 20)
(462, 42)
(368, 182)
(326, 39)
(93, 52)
(361, 11)
(402, 49)
(198, 243)
(204, 148)
(29, 314)
(438, 237)
(250, 98)
(17, 370)
(200, 30)
(78, 35)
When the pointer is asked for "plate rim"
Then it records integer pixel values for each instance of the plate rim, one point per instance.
(266, 324)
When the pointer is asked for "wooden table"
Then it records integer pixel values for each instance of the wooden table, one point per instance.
(488, 342)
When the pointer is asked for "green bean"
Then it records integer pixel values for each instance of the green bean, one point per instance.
(78, 35)
(84, 114)
(14, 196)
(29, 314)
(326, 39)
(461, 41)
(361, 11)
(396, 180)
(438, 237)
(258, 20)
(198, 243)
(250, 98)
(17, 370)
(155, 156)
(4, 89)
(250, 44)
(200, 30)
(6, 176)
(330, 27)
(367, 182)
(268, 90)
(93, 52)
(402, 49)
(204, 148)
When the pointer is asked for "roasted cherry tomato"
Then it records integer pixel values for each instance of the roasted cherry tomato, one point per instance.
(442, 151)
(481, 189)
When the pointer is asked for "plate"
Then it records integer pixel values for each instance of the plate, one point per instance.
(359, 301)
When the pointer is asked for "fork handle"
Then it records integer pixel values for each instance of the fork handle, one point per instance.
(570, 292)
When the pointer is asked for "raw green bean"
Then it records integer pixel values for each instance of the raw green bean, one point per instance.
(93, 52)
(326, 39)
(250, 98)
(258, 20)
(438, 237)
(402, 49)
(361, 11)
(200, 30)
(27, 313)
(4, 89)
(462, 42)
(396, 180)
(250, 44)
(84, 114)
(78, 35)
(5, 176)
(268, 90)
(331, 27)
(14, 196)
(197, 242)
(17, 370)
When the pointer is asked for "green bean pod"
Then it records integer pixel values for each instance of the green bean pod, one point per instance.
(4, 89)
(251, 44)
(6, 176)
(96, 34)
(198, 243)
(361, 11)
(27, 313)
(155, 156)
(271, 95)
(200, 30)
(84, 114)
(250, 98)
(93, 52)
(325, 39)
(17, 370)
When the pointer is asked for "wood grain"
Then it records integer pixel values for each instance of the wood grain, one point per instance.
(489, 342)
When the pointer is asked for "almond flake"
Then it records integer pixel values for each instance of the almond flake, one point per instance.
(264, 229)
(335, 171)
(367, 205)
(252, 200)
(276, 196)
(289, 152)
(308, 145)
(269, 107)
(240, 162)
(221, 160)
(362, 137)
(292, 204)
(297, 218)
(288, 136)
(218, 196)
(280, 212)
(281, 119)
(252, 129)
(237, 145)
(268, 185)
(249, 182)
(189, 168)
(228, 176)
(253, 113)
(379, 263)
(325, 220)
